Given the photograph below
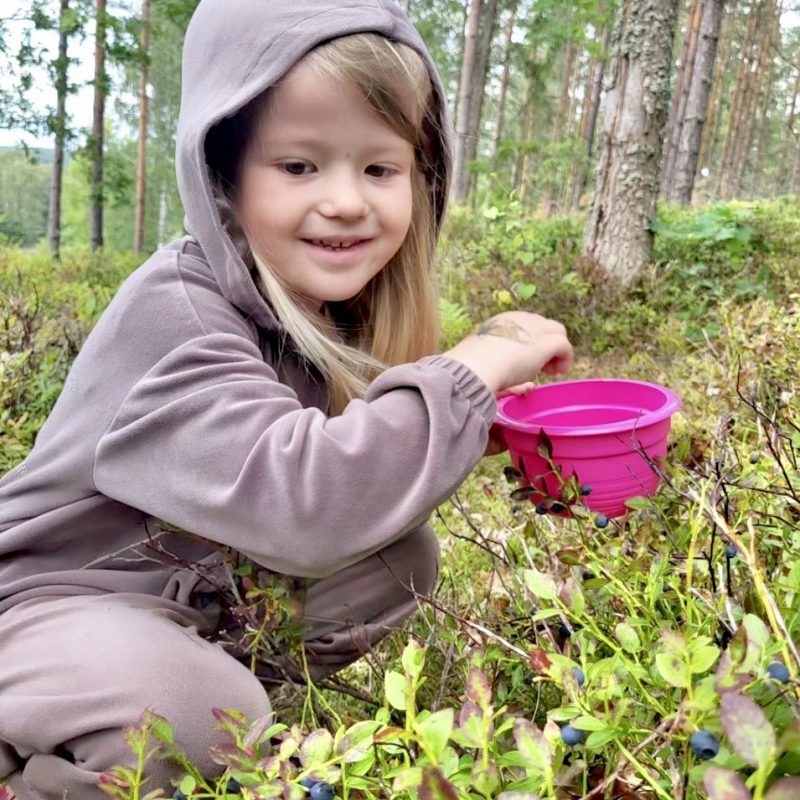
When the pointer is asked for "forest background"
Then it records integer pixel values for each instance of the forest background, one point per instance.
(629, 167)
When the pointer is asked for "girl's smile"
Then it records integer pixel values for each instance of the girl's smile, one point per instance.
(326, 187)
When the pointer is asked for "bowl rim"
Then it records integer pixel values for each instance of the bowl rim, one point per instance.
(671, 404)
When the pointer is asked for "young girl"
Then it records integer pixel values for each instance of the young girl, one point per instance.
(266, 386)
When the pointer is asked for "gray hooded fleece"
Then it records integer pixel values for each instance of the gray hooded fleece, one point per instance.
(179, 414)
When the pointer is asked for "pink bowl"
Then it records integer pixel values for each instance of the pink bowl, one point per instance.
(603, 431)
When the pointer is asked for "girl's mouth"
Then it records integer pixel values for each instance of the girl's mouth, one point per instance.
(334, 245)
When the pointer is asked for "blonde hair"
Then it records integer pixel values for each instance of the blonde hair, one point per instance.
(394, 319)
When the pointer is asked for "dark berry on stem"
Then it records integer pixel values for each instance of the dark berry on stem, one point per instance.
(730, 551)
(778, 671)
(233, 787)
(704, 744)
(557, 508)
(601, 520)
(754, 458)
(178, 795)
(579, 676)
(322, 791)
(564, 631)
(541, 509)
(586, 489)
(308, 783)
(571, 736)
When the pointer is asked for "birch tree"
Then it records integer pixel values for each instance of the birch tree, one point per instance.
(618, 234)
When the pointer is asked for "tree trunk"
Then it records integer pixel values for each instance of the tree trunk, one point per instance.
(488, 26)
(557, 133)
(60, 128)
(96, 214)
(680, 96)
(699, 91)
(141, 158)
(460, 177)
(711, 130)
(618, 234)
(591, 123)
(729, 146)
(501, 106)
(788, 135)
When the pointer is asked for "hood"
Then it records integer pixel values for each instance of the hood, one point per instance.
(233, 51)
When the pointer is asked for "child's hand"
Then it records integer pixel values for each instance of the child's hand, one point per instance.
(510, 349)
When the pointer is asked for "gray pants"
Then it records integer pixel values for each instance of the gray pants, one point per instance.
(74, 671)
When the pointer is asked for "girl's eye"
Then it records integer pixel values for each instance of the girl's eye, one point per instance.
(295, 167)
(377, 171)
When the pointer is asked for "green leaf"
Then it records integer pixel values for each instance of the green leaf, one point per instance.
(485, 779)
(435, 731)
(540, 584)
(724, 784)
(435, 786)
(703, 659)
(784, 789)
(413, 659)
(747, 728)
(407, 779)
(585, 722)
(395, 688)
(533, 746)
(627, 637)
(162, 730)
(187, 785)
(673, 669)
(356, 743)
(470, 726)
(525, 290)
(597, 739)
(316, 748)
(478, 689)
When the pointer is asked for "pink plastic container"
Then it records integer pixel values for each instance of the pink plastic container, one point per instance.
(602, 431)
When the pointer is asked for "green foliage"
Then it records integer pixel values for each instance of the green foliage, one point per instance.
(673, 634)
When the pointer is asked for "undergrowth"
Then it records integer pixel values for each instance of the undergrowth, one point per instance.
(653, 657)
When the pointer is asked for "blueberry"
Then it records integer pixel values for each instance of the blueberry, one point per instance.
(601, 520)
(778, 671)
(233, 787)
(564, 631)
(178, 795)
(585, 489)
(754, 458)
(571, 736)
(579, 676)
(557, 508)
(587, 576)
(322, 791)
(730, 551)
(541, 508)
(704, 744)
(308, 783)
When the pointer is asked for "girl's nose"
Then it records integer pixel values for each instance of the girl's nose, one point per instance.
(344, 197)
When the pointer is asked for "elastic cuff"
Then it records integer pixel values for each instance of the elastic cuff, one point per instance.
(477, 392)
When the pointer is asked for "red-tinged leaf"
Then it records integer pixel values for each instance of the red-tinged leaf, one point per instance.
(724, 784)
(470, 724)
(728, 677)
(435, 786)
(104, 779)
(229, 755)
(784, 789)
(747, 728)
(257, 729)
(539, 660)
(533, 746)
(317, 748)
(391, 734)
(478, 689)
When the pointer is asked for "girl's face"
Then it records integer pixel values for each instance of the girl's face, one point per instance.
(325, 189)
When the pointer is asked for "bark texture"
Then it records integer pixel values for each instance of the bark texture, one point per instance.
(96, 213)
(618, 235)
(141, 156)
(694, 117)
(60, 128)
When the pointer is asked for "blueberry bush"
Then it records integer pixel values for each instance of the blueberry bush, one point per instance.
(562, 655)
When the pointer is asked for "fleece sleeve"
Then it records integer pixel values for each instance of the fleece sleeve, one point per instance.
(210, 440)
